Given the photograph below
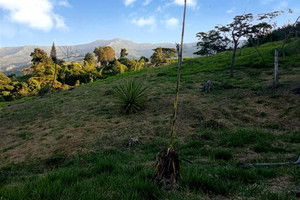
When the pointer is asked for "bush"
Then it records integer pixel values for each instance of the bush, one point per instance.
(131, 96)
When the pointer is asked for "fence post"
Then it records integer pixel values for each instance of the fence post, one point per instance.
(275, 84)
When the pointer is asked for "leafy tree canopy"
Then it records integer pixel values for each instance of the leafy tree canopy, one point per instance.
(211, 43)
(89, 58)
(123, 53)
(105, 54)
(53, 53)
(162, 55)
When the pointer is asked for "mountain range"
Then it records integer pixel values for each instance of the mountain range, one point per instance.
(14, 59)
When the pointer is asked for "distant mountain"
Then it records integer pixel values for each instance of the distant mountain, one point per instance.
(13, 59)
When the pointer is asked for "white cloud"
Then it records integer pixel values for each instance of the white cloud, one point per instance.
(150, 21)
(230, 10)
(159, 9)
(60, 23)
(37, 14)
(147, 2)
(64, 3)
(129, 2)
(190, 3)
(171, 23)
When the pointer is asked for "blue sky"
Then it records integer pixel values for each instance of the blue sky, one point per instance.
(39, 22)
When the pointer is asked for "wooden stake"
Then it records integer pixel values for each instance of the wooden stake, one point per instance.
(275, 84)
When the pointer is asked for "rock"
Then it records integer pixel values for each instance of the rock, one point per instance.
(208, 86)
(133, 141)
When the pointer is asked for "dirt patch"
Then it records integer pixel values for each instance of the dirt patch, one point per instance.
(248, 155)
(279, 184)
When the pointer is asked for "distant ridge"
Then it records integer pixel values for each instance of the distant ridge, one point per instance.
(14, 59)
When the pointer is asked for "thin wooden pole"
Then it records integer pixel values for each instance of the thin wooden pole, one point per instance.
(178, 81)
(275, 83)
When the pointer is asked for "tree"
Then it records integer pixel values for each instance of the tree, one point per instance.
(89, 58)
(40, 62)
(162, 55)
(138, 65)
(119, 68)
(54, 59)
(99, 52)
(291, 29)
(123, 53)
(168, 53)
(237, 29)
(256, 34)
(4, 79)
(109, 53)
(259, 31)
(68, 52)
(53, 53)
(157, 57)
(144, 58)
(130, 63)
(105, 54)
(211, 43)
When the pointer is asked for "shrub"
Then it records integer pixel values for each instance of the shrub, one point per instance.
(131, 96)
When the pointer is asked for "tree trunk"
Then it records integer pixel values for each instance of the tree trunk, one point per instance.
(233, 58)
(258, 52)
(240, 52)
(275, 84)
(52, 81)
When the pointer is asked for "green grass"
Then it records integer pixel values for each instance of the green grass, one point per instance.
(74, 145)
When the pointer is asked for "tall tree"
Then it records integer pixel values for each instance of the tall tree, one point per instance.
(256, 34)
(237, 29)
(54, 59)
(53, 53)
(69, 52)
(157, 57)
(289, 31)
(123, 53)
(211, 43)
(40, 62)
(105, 54)
(162, 55)
(89, 58)
(259, 30)
(109, 53)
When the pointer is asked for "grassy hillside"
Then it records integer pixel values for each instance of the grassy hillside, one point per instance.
(75, 144)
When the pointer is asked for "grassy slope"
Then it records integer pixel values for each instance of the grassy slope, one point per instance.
(73, 145)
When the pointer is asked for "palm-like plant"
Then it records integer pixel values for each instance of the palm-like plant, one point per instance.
(131, 96)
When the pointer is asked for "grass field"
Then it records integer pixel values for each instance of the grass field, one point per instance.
(74, 145)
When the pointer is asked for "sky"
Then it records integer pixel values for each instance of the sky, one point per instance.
(70, 22)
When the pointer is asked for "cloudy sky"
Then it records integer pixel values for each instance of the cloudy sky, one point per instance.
(39, 22)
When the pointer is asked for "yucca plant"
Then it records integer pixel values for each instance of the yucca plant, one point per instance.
(131, 96)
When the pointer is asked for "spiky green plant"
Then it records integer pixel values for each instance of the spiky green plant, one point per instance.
(131, 96)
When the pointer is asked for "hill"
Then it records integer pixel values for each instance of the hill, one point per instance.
(15, 58)
(74, 145)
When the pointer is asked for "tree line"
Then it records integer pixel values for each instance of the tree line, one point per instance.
(49, 73)
(257, 30)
